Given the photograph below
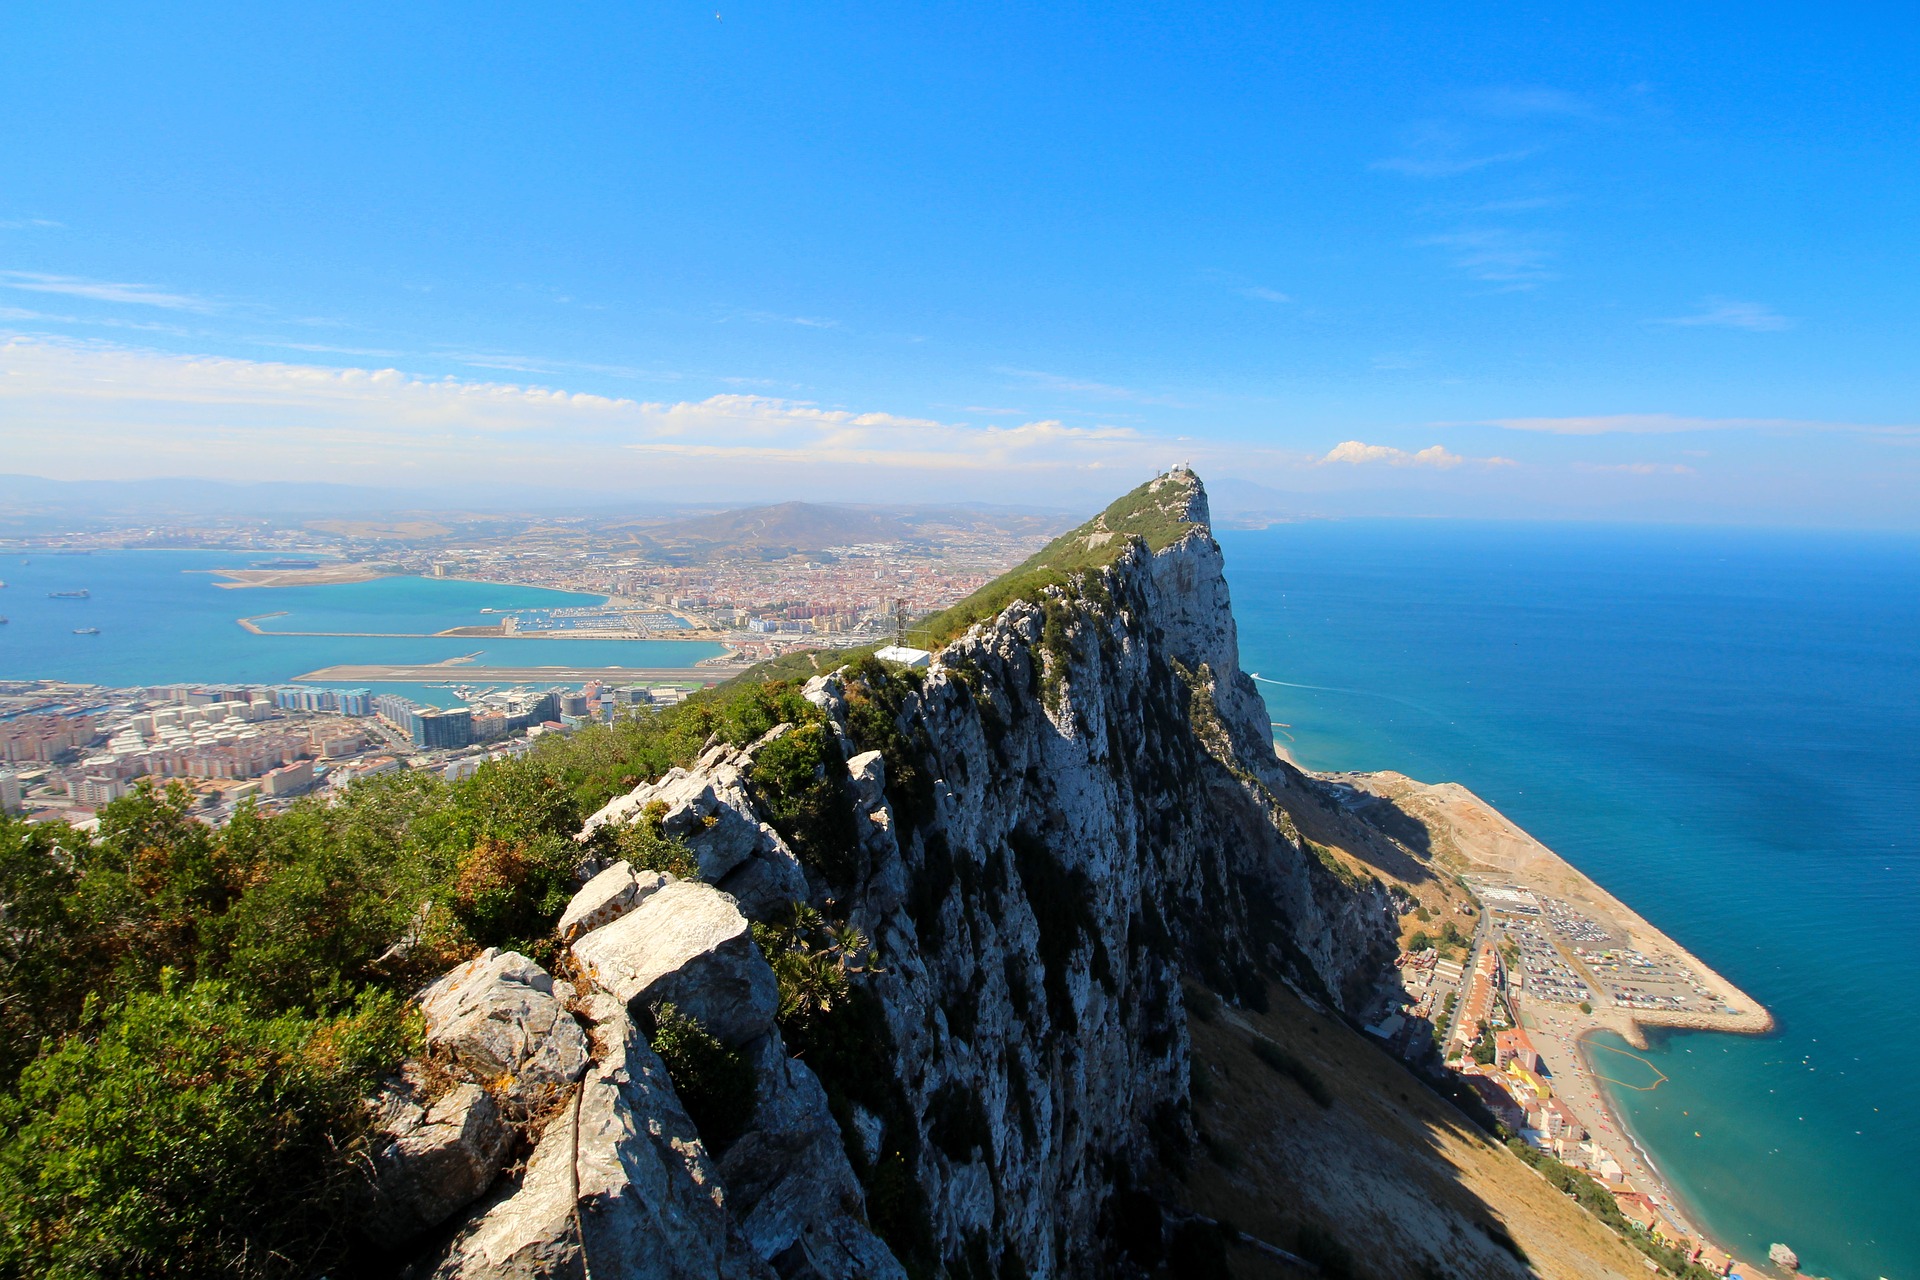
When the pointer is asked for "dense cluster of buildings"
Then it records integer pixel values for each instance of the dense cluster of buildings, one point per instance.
(1466, 1016)
(66, 750)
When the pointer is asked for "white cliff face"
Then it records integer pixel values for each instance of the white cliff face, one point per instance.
(1096, 812)
(1075, 811)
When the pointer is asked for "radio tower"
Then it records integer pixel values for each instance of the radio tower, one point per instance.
(900, 621)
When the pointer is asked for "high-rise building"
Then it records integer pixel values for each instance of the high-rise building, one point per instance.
(435, 728)
(9, 791)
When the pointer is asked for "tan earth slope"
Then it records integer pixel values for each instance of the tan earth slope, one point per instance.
(1388, 1180)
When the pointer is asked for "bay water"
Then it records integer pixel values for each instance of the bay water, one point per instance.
(1720, 727)
(162, 619)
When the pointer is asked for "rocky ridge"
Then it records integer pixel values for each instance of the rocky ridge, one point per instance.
(1072, 814)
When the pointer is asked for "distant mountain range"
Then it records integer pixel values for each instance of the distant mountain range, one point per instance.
(793, 528)
(34, 505)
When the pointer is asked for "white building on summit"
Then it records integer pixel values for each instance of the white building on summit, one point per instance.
(905, 656)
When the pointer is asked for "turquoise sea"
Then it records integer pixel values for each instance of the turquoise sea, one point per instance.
(163, 619)
(1722, 728)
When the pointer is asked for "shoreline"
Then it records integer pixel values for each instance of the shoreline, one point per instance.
(1471, 838)
(460, 669)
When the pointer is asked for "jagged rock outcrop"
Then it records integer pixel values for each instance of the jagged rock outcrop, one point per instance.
(430, 1160)
(789, 1184)
(1074, 812)
(619, 1187)
(710, 809)
(499, 1020)
(607, 897)
(687, 945)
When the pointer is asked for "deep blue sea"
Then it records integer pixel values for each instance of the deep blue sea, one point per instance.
(163, 619)
(1723, 729)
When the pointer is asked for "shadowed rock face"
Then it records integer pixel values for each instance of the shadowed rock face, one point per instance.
(1087, 805)
(429, 1162)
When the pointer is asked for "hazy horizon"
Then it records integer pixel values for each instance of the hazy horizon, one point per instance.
(1638, 264)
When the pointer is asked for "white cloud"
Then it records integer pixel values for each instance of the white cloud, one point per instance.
(1725, 313)
(102, 290)
(1518, 259)
(1649, 424)
(1357, 453)
(1434, 162)
(1261, 293)
(1072, 386)
(1638, 468)
(1523, 102)
(28, 224)
(73, 408)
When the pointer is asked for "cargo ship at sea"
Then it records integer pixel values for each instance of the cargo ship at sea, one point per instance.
(70, 595)
(86, 631)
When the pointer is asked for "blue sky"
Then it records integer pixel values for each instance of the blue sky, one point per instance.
(1629, 261)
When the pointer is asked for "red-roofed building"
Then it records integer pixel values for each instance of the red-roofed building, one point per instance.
(1514, 1046)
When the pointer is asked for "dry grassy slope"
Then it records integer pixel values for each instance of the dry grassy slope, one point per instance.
(1366, 850)
(1392, 1172)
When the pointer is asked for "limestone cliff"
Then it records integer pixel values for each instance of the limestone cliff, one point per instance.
(1052, 834)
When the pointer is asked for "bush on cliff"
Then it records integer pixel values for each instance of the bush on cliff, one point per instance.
(179, 1133)
(715, 1083)
(187, 1016)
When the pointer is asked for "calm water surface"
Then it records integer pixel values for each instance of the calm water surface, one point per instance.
(162, 619)
(1721, 728)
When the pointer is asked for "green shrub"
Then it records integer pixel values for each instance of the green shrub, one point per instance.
(715, 1083)
(813, 962)
(801, 779)
(180, 1134)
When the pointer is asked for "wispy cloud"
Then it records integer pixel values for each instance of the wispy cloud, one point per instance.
(1071, 385)
(770, 317)
(1357, 453)
(28, 224)
(1638, 468)
(1653, 424)
(1499, 255)
(1438, 148)
(1512, 102)
(102, 291)
(1446, 162)
(1725, 313)
(1246, 288)
(165, 414)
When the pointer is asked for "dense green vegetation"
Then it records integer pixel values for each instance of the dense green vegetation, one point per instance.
(189, 1016)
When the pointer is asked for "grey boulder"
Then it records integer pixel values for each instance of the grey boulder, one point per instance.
(429, 1162)
(606, 898)
(686, 944)
(497, 1020)
(619, 1188)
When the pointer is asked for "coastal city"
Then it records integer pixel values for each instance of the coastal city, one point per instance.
(1503, 1005)
(758, 582)
(68, 749)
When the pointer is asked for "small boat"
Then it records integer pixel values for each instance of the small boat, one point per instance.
(82, 594)
(3, 622)
(86, 631)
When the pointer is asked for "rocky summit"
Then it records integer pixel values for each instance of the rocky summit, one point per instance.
(917, 997)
